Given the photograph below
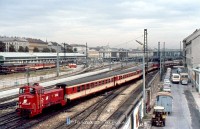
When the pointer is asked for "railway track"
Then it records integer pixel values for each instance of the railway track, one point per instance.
(91, 114)
(8, 120)
(8, 105)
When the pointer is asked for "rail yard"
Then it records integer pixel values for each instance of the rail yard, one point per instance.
(15, 121)
(108, 107)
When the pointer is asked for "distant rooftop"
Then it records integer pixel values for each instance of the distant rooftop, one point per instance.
(31, 40)
(11, 39)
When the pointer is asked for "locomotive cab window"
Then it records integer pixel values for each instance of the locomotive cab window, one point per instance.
(21, 90)
(32, 90)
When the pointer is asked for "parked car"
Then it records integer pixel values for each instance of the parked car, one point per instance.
(167, 88)
(175, 78)
(167, 82)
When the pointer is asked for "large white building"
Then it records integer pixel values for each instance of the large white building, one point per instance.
(15, 41)
(191, 48)
(79, 48)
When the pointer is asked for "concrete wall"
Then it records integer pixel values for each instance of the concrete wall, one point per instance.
(191, 47)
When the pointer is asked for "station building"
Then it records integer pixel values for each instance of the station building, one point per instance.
(22, 57)
(191, 48)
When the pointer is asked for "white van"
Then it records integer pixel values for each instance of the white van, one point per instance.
(175, 78)
(184, 78)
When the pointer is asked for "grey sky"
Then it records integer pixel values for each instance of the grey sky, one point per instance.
(101, 22)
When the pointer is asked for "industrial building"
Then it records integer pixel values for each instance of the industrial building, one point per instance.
(191, 47)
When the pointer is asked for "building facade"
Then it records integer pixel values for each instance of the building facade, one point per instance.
(54, 46)
(15, 41)
(169, 54)
(114, 54)
(37, 43)
(78, 48)
(93, 54)
(191, 48)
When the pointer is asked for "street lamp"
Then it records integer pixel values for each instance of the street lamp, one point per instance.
(143, 69)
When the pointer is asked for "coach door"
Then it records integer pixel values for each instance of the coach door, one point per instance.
(63, 86)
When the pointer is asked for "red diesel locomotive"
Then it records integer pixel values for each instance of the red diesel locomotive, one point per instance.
(33, 99)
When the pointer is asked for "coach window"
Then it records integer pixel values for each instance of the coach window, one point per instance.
(88, 86)
(83, 87)
(106, 81)
(92, 85)
(79, 89)
(73, 89)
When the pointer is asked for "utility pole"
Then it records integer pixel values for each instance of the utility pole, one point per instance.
(57, 62)
(180, 51)
(110, 58)
(145, 49)
(144, 79)
(65, 52)
(159, 56)
(164, 57)
(27, 75)
(86, 53)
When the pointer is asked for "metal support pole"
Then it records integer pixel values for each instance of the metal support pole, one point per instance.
(86, 54)
(180, 51)
(144, 80)
(144, 87)
(145, 47)
(110, 60)
(57, 64)
(64, 52)
(159, 56)
(28, 75)
(164, 57)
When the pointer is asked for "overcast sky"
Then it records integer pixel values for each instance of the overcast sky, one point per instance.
(101, 22)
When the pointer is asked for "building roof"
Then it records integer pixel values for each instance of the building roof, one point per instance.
(192, 36)
(11, 39)
(34, 55)
(77, 45)
(30, 40)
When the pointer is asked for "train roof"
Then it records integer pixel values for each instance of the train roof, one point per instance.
(99, 76)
